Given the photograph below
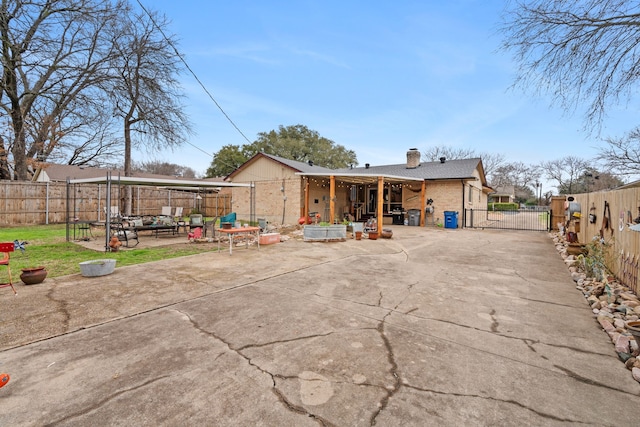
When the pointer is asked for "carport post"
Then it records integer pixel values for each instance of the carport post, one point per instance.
(380, 213)
(332, 199)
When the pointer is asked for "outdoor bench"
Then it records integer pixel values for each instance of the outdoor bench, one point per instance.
(128, 230)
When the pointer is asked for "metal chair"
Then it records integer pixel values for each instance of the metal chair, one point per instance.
(5, 249)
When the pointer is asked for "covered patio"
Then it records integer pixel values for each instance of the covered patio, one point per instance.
(362, 195)
(197, 187)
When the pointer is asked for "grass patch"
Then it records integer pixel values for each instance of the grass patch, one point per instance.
(47, 246)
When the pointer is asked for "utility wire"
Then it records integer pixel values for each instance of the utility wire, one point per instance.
(192, 73)
(170, 43)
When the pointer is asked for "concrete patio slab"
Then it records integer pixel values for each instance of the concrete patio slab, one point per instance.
(431, 327)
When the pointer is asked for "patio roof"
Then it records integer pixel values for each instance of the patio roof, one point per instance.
(361, 178)
(158, 182)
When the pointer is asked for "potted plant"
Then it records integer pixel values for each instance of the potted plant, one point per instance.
(33, 275)
(30, 275)
(324, 232)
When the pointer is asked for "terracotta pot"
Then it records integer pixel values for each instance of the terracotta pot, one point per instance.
(358, 235)
(32, 276)
(373, 235)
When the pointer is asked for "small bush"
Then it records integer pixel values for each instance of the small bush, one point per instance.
(503, 206)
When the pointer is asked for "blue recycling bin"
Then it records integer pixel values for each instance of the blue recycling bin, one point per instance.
(450, 219)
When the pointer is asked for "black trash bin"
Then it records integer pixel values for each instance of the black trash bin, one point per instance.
(414, 217)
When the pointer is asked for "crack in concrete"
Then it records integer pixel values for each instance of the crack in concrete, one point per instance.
(548, 302)
(527, 341)
(281, 397)
(63, 307)
(104, 401)
(300, 410)
(494, 321)
(508, 401)
(266, 344)
(397, 384)
(588, 381)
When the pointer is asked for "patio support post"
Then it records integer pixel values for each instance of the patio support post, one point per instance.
(423, 198)
(380, 212)
(305, 214)
(332, 199)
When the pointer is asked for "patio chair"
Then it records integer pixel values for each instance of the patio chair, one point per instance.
(113, 213)
(210, 227)
(178, 219)
(371, 226)
(5, 249)
(195, 221)
(231, 218)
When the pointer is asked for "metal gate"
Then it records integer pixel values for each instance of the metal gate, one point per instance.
(536, 218)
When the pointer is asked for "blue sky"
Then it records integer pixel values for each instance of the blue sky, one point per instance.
(376, 77)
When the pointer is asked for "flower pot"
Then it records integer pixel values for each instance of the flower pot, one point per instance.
(98, 267)
(32, 276)
(373, 235)
(387, 233)
(358, 235)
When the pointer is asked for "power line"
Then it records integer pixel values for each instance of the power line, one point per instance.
(170, 43)
(192, 73)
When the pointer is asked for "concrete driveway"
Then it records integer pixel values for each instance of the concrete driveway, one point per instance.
(431, 327)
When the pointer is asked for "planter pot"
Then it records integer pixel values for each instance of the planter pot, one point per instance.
(32, 276)
(323, 233)
(386, 233)
(358, 235)
(269, 238)
(98, 267)
(576, 249)
(373, 235)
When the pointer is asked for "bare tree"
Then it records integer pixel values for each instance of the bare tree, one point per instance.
(491, 162)
(580, 52)
(433, 154)
(144, 89)
(565, 172)
(164, 168)
(51, 51)
(517, 174)
(622, 155)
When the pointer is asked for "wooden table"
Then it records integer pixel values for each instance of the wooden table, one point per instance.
(246, 231)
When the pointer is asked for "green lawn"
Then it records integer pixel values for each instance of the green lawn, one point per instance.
(47, 246)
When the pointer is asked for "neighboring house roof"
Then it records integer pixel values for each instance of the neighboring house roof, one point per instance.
(57, 172)
(294, 165)
(506, 190)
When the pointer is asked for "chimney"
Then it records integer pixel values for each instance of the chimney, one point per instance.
(366, 165)
(413, 158)
(443, 159)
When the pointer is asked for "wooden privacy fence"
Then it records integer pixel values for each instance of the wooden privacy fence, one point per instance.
(29, 203)
(622, 208)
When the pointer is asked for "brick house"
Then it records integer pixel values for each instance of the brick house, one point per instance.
(284, 190)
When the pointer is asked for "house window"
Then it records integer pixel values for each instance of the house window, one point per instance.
(470, 194)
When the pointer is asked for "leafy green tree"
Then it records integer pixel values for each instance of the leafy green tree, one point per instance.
(225, 161)
(291, 142)
(302, 144)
